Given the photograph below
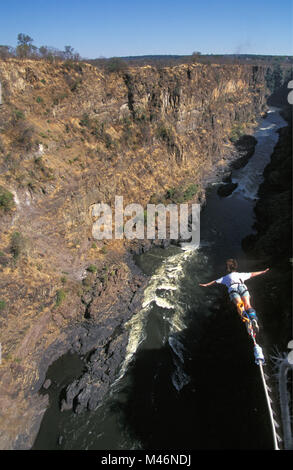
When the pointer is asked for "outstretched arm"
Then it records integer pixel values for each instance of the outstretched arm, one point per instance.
(208, 284)
(258, 273)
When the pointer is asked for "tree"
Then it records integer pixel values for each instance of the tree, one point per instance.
(115, 64)
(5, 52)
(195, 56)
(68, 52)
(43, 50)
(25, 47)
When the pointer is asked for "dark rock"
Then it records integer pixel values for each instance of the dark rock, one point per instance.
(71, 393)
(103, 343)
(227, 177)
(83, 399)
(245, 146)
(226, 189)
(47, 384)
(246, 142)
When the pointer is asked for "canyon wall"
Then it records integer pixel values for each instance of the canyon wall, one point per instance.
(72, 136)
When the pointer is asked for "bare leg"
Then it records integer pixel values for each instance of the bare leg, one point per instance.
(250, 310)
(246, 301)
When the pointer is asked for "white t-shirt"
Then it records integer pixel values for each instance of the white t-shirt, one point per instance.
(233, 278)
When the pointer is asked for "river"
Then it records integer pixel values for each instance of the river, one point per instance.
(189, 380)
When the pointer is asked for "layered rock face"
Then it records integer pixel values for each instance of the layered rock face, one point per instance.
(71, 137)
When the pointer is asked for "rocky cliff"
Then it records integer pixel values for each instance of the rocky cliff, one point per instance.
(72, 136)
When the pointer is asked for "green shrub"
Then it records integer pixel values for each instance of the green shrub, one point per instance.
(236, 132)
(17, 244)
(18, 114)
(60, 296)
(108, 141)
(39, 99)
(42, 134)
(190, 191)
(171, 193)
(92, 268)
(175, 195)
(165, 133)
(2, 305)
(6, 200)
(180, 194)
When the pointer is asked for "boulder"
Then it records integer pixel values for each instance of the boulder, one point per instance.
(226, 189)
(227, 177)
(47, 384)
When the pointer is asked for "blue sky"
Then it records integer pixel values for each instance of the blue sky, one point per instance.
(127, 27)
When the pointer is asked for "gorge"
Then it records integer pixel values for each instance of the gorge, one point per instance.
(73, 136)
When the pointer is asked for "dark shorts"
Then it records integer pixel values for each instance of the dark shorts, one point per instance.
(239, 290)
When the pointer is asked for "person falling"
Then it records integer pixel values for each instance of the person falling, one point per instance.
(237, 290)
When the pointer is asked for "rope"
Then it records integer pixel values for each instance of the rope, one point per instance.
(259, 359)
(276, 438)
(284, 368)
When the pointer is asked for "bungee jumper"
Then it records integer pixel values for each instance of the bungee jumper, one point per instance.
(239, 294)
